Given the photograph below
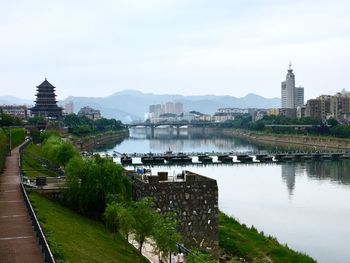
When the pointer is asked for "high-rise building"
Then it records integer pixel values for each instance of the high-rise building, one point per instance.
(299, 97)
(69, 107)
(179, 108)
(169, 107)
(292, 97)
(46, 104)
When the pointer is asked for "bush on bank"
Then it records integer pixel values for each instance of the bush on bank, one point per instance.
(92, 182)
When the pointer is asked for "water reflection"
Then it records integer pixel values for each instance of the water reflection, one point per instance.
(332, 171)
(288, 176)
(193, 140)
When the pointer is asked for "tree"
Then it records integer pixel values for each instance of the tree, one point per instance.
(75, 170)
(98, 179)
(332, 122)
(111, 217)
(145, 221)
(126, 220)
(165, 235)
(59, 151)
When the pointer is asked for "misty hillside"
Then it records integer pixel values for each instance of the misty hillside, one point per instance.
(9, 100)
(129, 105)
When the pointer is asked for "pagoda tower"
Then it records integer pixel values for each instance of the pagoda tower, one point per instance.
(46, 104)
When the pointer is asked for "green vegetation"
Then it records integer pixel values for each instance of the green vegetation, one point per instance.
(8, 120)
(144, 222)
(98, 188)
(245, 121)
(35, 162)
(3, 149)
(91, 183)
(240, 241)
(74, 238)
(331, 128)
(82, 126)
(17, 136)
(165, 234)
(197, 256)
(59, 151)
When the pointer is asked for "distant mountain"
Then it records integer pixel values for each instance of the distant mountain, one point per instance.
(9, 100)
(128, 105)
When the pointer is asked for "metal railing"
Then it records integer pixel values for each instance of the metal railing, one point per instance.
(48, 257)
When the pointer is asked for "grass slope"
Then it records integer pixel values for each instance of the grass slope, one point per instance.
(17, 136)
(74, 238)
(242, 242)
(30, 166)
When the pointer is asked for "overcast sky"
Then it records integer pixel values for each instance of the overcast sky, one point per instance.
(190, 47)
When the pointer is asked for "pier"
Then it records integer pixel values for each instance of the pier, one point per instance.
(172, 158)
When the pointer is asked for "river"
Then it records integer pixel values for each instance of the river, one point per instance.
(305, 205)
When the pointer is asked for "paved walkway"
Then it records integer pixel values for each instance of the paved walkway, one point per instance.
(147, 249)
(18, 242)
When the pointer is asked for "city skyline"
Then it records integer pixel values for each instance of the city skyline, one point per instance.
(173, 47)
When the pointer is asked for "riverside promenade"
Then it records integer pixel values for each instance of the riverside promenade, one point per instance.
(18, 242)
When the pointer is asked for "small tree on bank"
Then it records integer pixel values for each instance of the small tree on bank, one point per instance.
(145, 221)
(126, 220)
(165, 235)
(111, 217)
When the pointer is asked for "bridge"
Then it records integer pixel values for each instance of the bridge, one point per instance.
(175, 124)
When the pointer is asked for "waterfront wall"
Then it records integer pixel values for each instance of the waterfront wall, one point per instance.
(95, 141)
(315, 142)
(195, 203)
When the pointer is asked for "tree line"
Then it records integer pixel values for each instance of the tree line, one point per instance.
(82, 126)
(329, 128)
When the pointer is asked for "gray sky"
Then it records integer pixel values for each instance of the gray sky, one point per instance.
(222, 47)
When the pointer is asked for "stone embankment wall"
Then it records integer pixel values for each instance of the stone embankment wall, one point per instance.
(92, 142)
(195, 202)
(316, 142)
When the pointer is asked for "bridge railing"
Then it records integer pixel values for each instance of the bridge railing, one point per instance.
(48, 256)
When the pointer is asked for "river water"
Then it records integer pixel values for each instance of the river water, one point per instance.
(305, 205)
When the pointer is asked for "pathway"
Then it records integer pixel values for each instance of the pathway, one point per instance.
(147, 249)
(18, 242)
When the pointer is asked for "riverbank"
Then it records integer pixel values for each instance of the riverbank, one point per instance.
(248, 245)
(96, 141)
(291, 140)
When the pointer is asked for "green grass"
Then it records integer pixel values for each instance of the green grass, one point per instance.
(30, 166)
(17, 136)
(242, 242)
(74, 238)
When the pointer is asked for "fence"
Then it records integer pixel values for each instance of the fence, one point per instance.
(49, 258)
